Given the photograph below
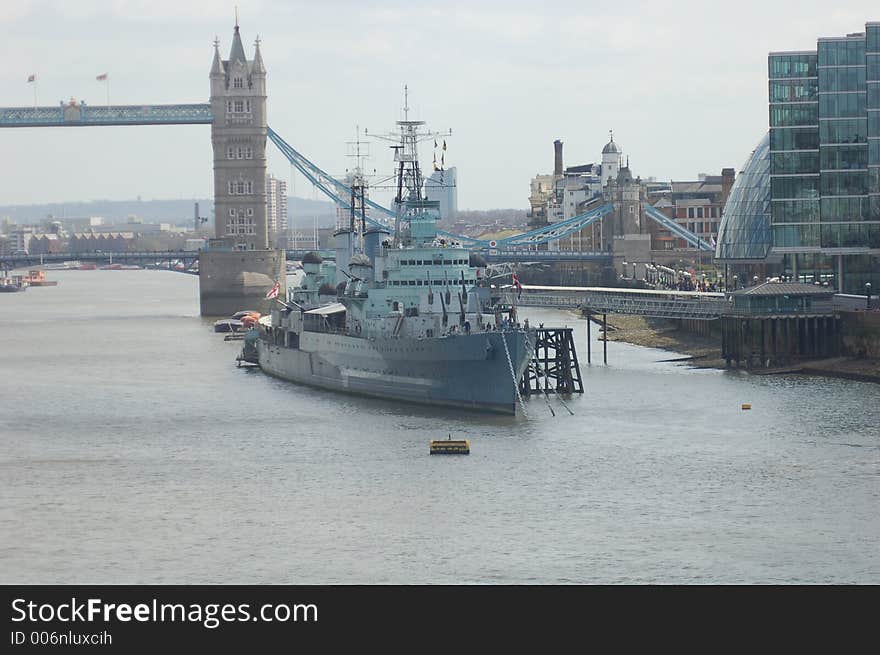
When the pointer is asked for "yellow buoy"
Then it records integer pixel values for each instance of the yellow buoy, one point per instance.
(747, 405)
(450, 447)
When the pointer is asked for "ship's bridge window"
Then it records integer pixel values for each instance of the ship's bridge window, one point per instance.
(412, 283)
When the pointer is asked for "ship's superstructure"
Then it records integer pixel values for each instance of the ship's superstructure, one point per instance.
(412, 318)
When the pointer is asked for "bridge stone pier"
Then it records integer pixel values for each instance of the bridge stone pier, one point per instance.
(230, 281)
(238, 267)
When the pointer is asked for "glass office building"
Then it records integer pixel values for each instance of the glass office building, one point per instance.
(825, 160)
(744, 234)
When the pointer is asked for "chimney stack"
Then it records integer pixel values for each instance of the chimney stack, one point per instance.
(557, 164)
(728, 175)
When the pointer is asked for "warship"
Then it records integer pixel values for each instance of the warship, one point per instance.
(403, 313)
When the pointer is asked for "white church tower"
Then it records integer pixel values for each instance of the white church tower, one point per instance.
(611, 157)
(238, 134)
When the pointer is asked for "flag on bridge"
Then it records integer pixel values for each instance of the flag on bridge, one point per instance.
(32, 78)
(274, 291)
(101, 77)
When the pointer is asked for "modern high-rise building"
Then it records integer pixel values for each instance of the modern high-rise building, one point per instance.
(442, 187)
(276, 207)
(825, 160)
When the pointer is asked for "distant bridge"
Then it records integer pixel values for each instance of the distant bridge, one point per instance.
(157, 259)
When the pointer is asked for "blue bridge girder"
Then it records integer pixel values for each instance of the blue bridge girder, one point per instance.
(554, 231)
(82, 114)
(679, 231)
(339, 192)
(336, 190)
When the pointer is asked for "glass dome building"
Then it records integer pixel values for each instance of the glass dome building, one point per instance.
(744, 233)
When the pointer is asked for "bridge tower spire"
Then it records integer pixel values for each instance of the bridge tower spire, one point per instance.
(238, 134)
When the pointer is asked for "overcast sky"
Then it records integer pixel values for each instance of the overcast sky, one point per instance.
(682, 84)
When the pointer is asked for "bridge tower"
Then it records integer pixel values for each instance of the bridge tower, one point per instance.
(238, 134)
(238, 267)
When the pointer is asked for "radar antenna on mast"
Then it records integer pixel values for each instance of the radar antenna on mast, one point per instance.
(410, 203)
(358, 183)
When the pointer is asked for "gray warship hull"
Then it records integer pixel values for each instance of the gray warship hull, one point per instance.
(470, 371)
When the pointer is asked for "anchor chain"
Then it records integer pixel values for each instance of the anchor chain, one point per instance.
(513, 374)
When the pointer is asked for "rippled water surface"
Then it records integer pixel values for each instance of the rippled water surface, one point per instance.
(133, 450)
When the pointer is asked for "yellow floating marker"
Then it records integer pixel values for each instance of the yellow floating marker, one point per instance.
(747, 405)
(450, 447)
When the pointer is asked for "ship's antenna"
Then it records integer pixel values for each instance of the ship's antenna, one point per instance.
(405, 102)
(358, 209)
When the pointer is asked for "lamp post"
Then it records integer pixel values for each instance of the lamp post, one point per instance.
(868, 293)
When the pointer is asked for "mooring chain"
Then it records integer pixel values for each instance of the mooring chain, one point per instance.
(513, 374)
(540, 371)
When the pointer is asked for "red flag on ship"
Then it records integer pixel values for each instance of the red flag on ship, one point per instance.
(274, 291)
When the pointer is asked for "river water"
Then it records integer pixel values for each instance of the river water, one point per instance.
(132, 450)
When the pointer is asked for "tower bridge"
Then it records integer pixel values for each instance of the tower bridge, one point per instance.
(239, 264)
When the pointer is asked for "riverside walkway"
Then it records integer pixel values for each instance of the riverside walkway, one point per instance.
(696, 305)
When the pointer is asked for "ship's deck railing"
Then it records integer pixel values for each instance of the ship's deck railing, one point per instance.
(323, 329)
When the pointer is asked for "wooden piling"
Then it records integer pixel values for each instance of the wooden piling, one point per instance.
(589, 320)
(605, 340)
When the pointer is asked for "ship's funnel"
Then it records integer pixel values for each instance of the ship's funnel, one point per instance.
(372, 239)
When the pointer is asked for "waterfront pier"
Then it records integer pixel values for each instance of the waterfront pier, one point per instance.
(554, 367)
(777, 324)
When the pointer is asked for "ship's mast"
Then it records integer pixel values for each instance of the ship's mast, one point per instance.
(358, 184)
(409, 183)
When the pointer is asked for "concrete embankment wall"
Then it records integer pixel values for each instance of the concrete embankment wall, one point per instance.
(233, 281)
(861, 334)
